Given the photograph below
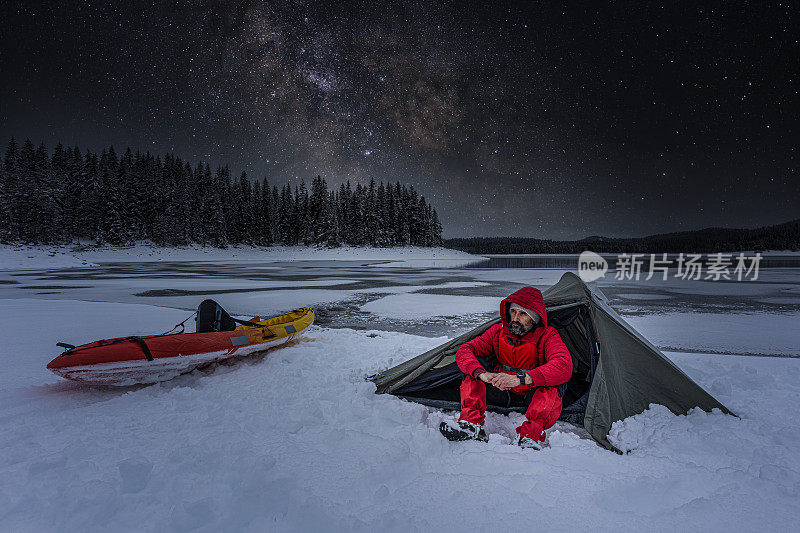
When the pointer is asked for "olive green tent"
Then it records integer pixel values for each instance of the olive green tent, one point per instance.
(616, 372)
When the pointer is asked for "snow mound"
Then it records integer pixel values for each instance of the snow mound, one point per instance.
(659, 429)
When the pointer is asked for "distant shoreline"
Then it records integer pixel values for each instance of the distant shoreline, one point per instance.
(610, 254)
(784, 236)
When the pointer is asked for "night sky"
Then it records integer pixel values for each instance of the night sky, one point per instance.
(524, 119)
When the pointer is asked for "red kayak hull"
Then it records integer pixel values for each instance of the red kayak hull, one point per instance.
(123, 361)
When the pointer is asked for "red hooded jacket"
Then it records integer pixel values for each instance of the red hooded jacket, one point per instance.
(549, 364)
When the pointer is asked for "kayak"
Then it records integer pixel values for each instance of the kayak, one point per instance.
(149, 359)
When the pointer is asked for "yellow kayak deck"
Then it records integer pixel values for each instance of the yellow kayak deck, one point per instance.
(285, 325)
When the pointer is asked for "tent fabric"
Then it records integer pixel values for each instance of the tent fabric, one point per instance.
(617, 373)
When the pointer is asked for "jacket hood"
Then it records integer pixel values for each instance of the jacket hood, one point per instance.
(529, 298)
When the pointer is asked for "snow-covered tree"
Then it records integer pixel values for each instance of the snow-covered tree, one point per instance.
(68, 195)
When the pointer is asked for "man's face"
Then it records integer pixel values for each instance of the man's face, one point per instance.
(520, 322)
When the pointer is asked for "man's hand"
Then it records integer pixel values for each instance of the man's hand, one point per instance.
(504, 381)
(486, 377)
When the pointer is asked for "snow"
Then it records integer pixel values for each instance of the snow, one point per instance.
(297, 440)
(393, 289)
(533, 277)
(714, 463)
(24, 257)
(421, 306)
(752, 333)
(28, 349)
(63, 256)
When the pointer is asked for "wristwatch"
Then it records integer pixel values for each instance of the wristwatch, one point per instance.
(521, 376)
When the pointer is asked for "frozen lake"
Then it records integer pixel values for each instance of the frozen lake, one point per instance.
(424, 297)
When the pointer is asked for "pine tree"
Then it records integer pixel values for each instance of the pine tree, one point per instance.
(185, 220)
(266, 214)
(88, 208)
(257, 215)
(152, 194)
(111, 228)
(382, 217)
(274, 216)
(49, 213)
(58, 182)
(341, 210)
(70, 193)
(349, 226)
(286, 214)
(227, 197)
(9, 185)
(414, 218)
(126, 183)
(332, 223)
(403, 218)
(69, 196)
(302, 218)
(357, 211)
(371, 215)
(242, 210)
(235, 212)
(136, 195)
(437, 230)
(317, 215)
(427, 222)
(217, 227)
(24, 199)
(166, 208)
(199, 191)
(391, 216)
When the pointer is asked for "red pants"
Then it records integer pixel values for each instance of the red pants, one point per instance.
(542, 412)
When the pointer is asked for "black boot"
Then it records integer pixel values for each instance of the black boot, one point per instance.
(457, 430)
(529, 443)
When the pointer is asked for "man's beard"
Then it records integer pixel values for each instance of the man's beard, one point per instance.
(516, 328)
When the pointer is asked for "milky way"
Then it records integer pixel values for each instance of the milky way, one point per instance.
(512, 119)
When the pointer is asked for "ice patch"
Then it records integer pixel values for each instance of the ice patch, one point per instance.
(780, 300)
(738, 333)
(420, 306)
(398, 289)
(644, 296)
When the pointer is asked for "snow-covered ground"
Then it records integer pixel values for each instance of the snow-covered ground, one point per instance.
(298, 440)
(63, 256)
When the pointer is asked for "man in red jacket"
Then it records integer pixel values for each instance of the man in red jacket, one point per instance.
(532, 361)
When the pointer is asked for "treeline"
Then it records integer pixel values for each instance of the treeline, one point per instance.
(70, 196)
(711, 240)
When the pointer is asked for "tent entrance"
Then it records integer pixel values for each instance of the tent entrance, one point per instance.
(439, 386)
